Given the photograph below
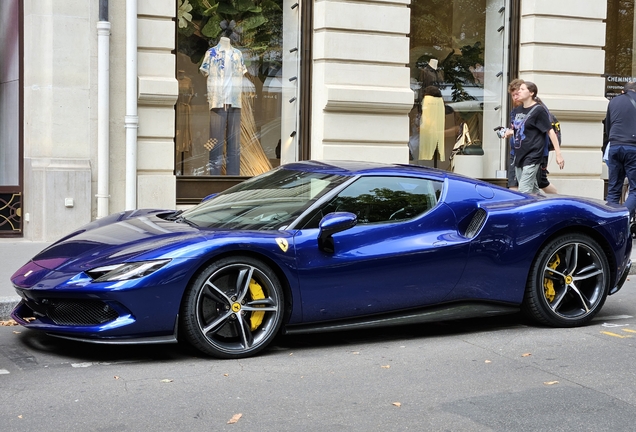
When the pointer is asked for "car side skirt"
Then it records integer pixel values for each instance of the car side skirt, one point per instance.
(445, 312)
(120, 341)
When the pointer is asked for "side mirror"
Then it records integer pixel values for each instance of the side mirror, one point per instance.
(331, 224)
(209, 197)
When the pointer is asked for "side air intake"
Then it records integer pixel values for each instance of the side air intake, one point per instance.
(476, 223)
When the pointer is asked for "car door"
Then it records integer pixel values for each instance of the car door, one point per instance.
(403, 253)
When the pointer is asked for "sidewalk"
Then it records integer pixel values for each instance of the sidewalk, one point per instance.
(14, 253)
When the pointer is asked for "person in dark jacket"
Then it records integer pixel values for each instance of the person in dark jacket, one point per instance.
(620, 127)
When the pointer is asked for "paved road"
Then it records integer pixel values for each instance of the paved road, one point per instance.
(477, 375)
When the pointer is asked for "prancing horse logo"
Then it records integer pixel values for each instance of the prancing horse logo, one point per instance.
(282, 243)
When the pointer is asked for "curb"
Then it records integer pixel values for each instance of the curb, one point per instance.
(6, 306)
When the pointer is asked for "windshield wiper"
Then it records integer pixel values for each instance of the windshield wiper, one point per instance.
(173, 216)
(181, 219)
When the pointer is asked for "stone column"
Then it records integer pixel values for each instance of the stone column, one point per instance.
(360, 89)
(158, 91)
(561, 51)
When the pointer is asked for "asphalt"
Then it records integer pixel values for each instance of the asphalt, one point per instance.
(14, 253)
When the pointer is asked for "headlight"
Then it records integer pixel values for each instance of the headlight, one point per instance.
(126, 271)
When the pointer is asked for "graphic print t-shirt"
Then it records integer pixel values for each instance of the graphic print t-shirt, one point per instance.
(513, 114)
(530, 135)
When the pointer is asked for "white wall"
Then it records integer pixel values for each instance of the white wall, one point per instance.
(360, 90)
(58, 126)
(158, 91)
(562, 52)
(60, 111)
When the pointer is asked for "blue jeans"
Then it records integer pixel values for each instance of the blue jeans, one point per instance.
(225, 133)
(622, 163)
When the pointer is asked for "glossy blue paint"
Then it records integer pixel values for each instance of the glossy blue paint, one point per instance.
(331, 224)
(209, 197)
(374, 268)
(381, 267)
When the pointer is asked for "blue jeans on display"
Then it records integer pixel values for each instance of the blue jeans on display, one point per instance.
(225, 133)
(622, 163)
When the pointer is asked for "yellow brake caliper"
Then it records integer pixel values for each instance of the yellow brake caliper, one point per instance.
(256, 291)
(548, 284)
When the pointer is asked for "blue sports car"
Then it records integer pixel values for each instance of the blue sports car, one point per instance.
(318, 246)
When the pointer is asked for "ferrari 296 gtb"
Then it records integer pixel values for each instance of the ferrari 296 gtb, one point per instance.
(317, 246)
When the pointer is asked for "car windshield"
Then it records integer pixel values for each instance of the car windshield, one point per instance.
(269, 201)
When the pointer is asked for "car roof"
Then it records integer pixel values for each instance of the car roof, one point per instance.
(354, 168)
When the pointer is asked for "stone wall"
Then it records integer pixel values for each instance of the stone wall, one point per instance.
(561, 50)
(360, 90)
(60, 112)
(58, 125)
(158, 91)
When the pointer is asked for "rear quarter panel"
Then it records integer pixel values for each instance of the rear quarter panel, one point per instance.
(516, 229)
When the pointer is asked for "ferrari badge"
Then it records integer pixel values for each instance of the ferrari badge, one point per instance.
(283, 244)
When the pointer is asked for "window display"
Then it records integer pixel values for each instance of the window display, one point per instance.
(457, 64)
(229, 62)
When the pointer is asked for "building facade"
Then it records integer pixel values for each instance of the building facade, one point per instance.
(112, 106)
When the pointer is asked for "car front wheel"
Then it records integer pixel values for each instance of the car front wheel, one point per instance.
(568, 282)
(233, 309)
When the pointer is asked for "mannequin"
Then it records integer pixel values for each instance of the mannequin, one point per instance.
(432, 127)
(225, 43)
(224, 68)
(430, 74)
(184, 130)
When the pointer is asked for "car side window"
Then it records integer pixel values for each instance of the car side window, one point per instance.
(383, 199)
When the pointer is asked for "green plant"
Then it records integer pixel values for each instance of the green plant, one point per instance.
(253, 24)
(457, 69)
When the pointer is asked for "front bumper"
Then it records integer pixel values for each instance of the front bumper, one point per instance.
(69, 314)
(72, 305)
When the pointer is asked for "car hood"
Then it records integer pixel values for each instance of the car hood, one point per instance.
(118, 238)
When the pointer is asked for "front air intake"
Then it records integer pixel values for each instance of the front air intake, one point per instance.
(80, 312)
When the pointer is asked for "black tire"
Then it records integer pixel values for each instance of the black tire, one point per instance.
(568, 283)
(224, 315)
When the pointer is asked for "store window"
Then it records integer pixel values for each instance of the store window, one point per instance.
(620, 58)
(9, 93)
(237, 71)
(458, 62)
(10, 118)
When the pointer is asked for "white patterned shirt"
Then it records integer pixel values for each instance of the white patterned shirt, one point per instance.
(225, 76)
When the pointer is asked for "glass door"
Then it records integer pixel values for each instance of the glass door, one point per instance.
(10, 118)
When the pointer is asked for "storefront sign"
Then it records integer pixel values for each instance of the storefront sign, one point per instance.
(614, 84)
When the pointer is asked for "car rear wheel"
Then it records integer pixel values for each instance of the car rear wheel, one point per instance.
(233, 309)
(568, 282)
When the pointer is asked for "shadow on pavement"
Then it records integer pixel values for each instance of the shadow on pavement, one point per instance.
(42, 343)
